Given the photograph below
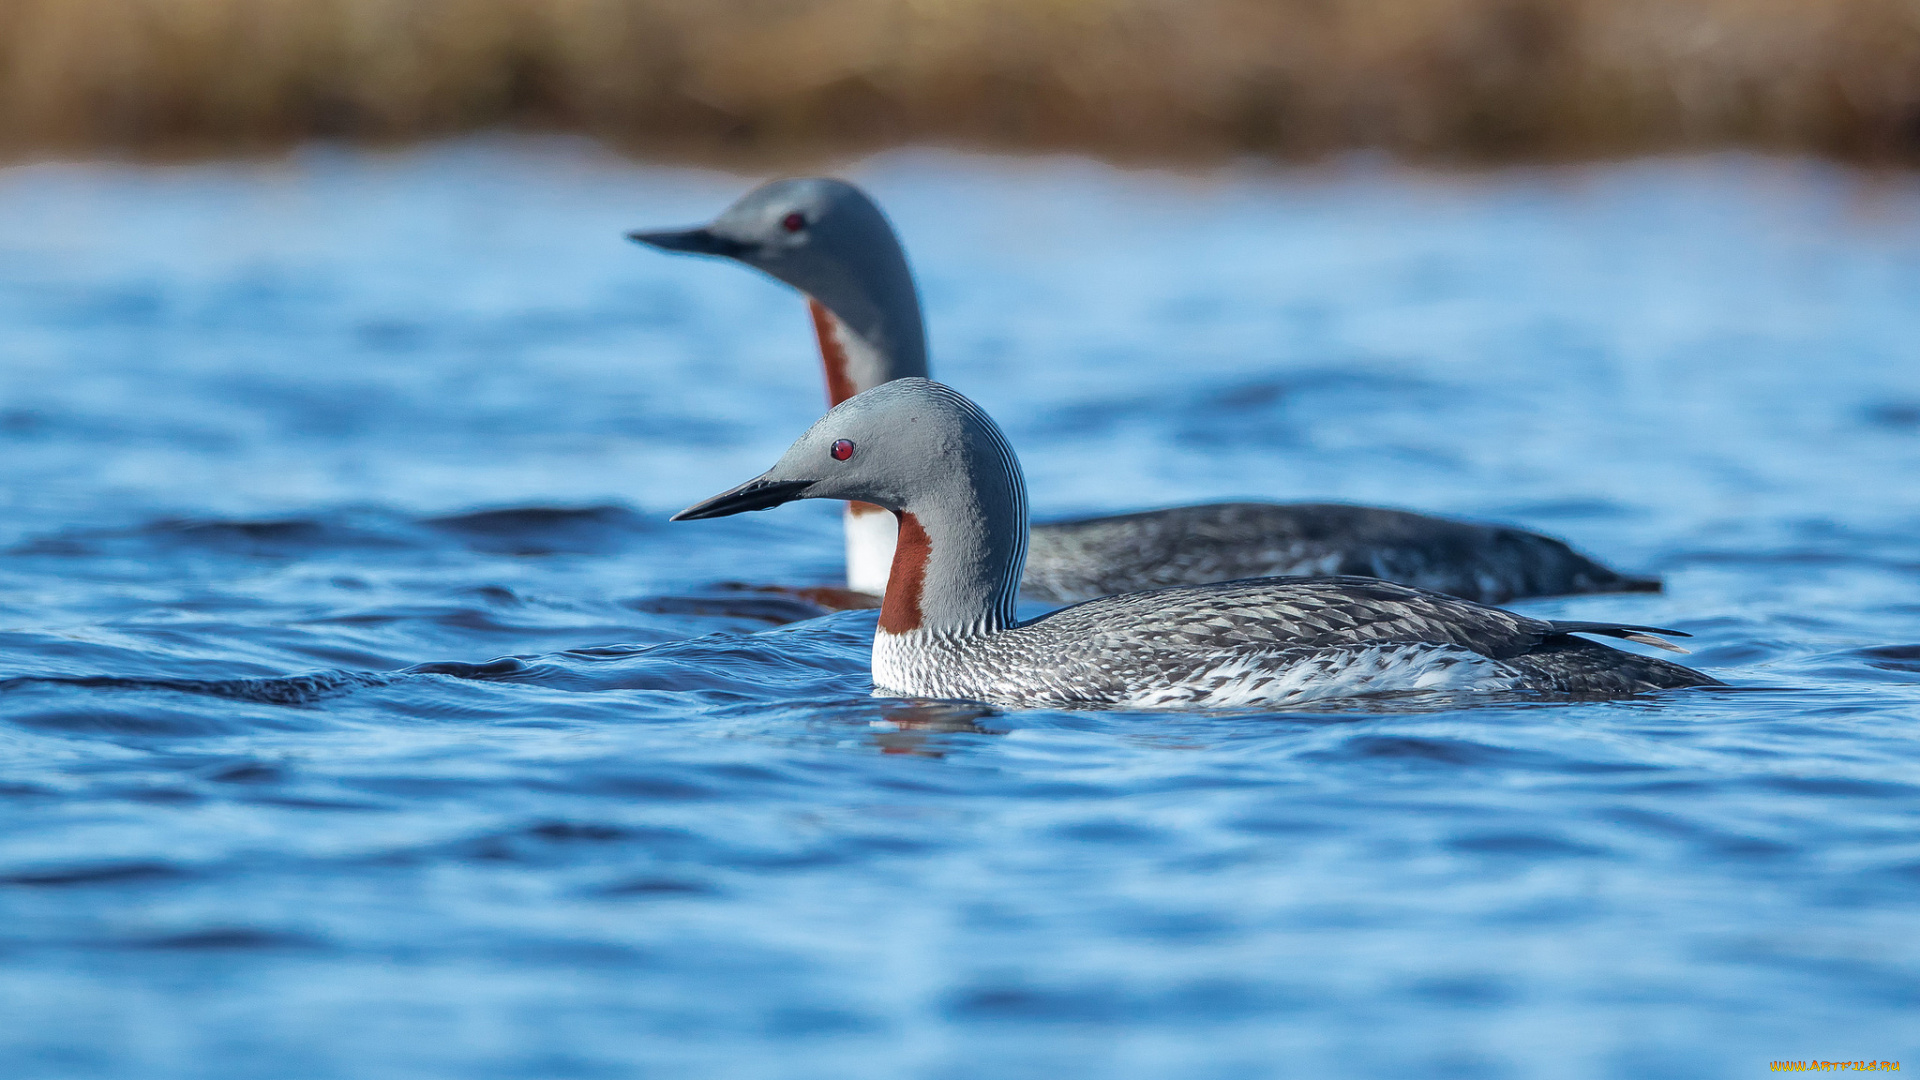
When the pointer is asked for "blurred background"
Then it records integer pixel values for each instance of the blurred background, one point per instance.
(754, 79)
(362, 716)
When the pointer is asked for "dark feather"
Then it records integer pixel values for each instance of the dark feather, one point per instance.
(1192, 545)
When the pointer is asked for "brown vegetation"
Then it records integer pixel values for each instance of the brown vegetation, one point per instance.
(1133, 78)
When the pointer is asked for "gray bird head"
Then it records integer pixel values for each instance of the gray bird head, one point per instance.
(906, 445)
(935, 459)
(828, 239)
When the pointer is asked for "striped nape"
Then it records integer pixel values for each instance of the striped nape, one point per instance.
(1013, 498)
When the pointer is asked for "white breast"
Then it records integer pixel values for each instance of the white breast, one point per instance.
(870, 539)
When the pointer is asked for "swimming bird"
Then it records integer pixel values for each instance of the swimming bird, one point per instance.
(830, 240)
(947, 627)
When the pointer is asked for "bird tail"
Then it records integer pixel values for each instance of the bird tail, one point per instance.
(1645, 635)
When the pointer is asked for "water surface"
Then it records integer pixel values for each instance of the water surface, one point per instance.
(362, 716)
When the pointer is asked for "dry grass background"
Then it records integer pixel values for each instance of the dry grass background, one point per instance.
(1126, 78)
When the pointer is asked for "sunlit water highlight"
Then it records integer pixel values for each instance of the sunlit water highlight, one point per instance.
(293, 454)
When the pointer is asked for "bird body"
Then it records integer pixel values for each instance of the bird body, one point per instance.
(1266, 642)
(830, 240)
(947, 627)
(1072, 560)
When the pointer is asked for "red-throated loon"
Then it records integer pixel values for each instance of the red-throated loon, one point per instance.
(828, 239)
(947, 627)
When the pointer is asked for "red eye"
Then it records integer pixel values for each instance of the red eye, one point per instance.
(794, 222)
(842, 450)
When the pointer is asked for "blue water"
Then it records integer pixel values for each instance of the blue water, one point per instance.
(361, 716)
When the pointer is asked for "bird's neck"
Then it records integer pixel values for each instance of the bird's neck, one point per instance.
(853, 363)
(956, 567)
(858, 358)
(949, 587)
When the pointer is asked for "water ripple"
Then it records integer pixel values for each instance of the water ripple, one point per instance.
(361, 714)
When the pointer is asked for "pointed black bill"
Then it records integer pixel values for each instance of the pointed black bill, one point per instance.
(701, 241)
(756, 494)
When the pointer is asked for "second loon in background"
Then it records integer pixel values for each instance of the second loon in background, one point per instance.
(828, 239)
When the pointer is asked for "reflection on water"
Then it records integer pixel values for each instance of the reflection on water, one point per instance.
(362, 715)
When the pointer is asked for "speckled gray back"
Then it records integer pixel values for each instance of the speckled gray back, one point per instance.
(1279, 641)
